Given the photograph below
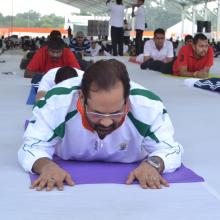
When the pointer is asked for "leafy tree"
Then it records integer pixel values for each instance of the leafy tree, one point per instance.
(32, 19)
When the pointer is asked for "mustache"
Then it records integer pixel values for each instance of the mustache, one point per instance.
(103, 128)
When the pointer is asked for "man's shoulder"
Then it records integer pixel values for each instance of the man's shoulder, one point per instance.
(150, 43)
(86, 41)
(141, 9)
(61, 95)
(210, 49)
(138, 92)
(186, 49)
(67, 50)
(43, 50)
(73, 40)
(70, 83)
(145, 105)
(52, 71)
(168, 43)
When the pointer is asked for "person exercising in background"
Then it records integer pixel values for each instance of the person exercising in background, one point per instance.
(55, 76)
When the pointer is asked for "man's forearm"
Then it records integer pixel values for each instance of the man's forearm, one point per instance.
(196, 74)
(40, 94)
(146, 58)
(168, 59)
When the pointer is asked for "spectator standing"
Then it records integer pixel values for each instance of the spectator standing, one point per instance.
(116, 21)
(139, 15)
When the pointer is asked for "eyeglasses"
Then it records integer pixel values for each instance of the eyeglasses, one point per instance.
(95, 116)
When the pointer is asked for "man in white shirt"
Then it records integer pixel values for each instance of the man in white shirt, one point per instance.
(104, 117)
(127, 29)
(94, 49)
(55, 76)
(116, 21)
(157, 52)
(139, 15)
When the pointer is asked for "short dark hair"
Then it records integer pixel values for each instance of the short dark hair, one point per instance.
(199, 37)
(105, 74)
(55, 44)
(64, 73)
(159, 31)
(188, 37)
(55, 34)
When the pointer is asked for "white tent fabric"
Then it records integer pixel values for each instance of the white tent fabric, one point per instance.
(98, 6)
(177, 28)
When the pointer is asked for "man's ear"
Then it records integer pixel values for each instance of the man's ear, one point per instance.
(194, 47)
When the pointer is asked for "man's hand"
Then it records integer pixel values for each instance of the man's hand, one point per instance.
(147, 176)
(51, 175)
(201, 74)
(167, 59)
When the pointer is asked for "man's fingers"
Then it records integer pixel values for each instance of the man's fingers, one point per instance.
(50, 184)
(69, 180)
(131, 178)
(42, 184)
(164, 182)
(59, 185)
(157, 183)
(143, 182)
(150, 183)
(35, 183)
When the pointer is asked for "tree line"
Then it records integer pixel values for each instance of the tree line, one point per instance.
(32, 19)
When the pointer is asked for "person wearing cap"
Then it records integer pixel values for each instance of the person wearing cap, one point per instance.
(54, 54)
(80, 44)
(101, 117)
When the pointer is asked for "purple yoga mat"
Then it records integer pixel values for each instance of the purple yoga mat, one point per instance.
(101, 172)
(26, 124)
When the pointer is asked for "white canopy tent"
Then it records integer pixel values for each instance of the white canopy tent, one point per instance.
(98, 7)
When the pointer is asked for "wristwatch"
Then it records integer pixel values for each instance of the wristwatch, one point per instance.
(153, 162)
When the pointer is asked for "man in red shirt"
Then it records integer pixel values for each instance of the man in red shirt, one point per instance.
(54, 54)
(194, 60)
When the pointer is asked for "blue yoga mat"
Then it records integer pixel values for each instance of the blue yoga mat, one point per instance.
(31, 97)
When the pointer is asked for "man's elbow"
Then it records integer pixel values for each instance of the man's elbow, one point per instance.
(28, 73)
(40, 95)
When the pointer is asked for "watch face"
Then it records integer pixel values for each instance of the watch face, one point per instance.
(154, 163)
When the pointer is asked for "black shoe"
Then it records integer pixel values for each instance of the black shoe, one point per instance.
(145, 65)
